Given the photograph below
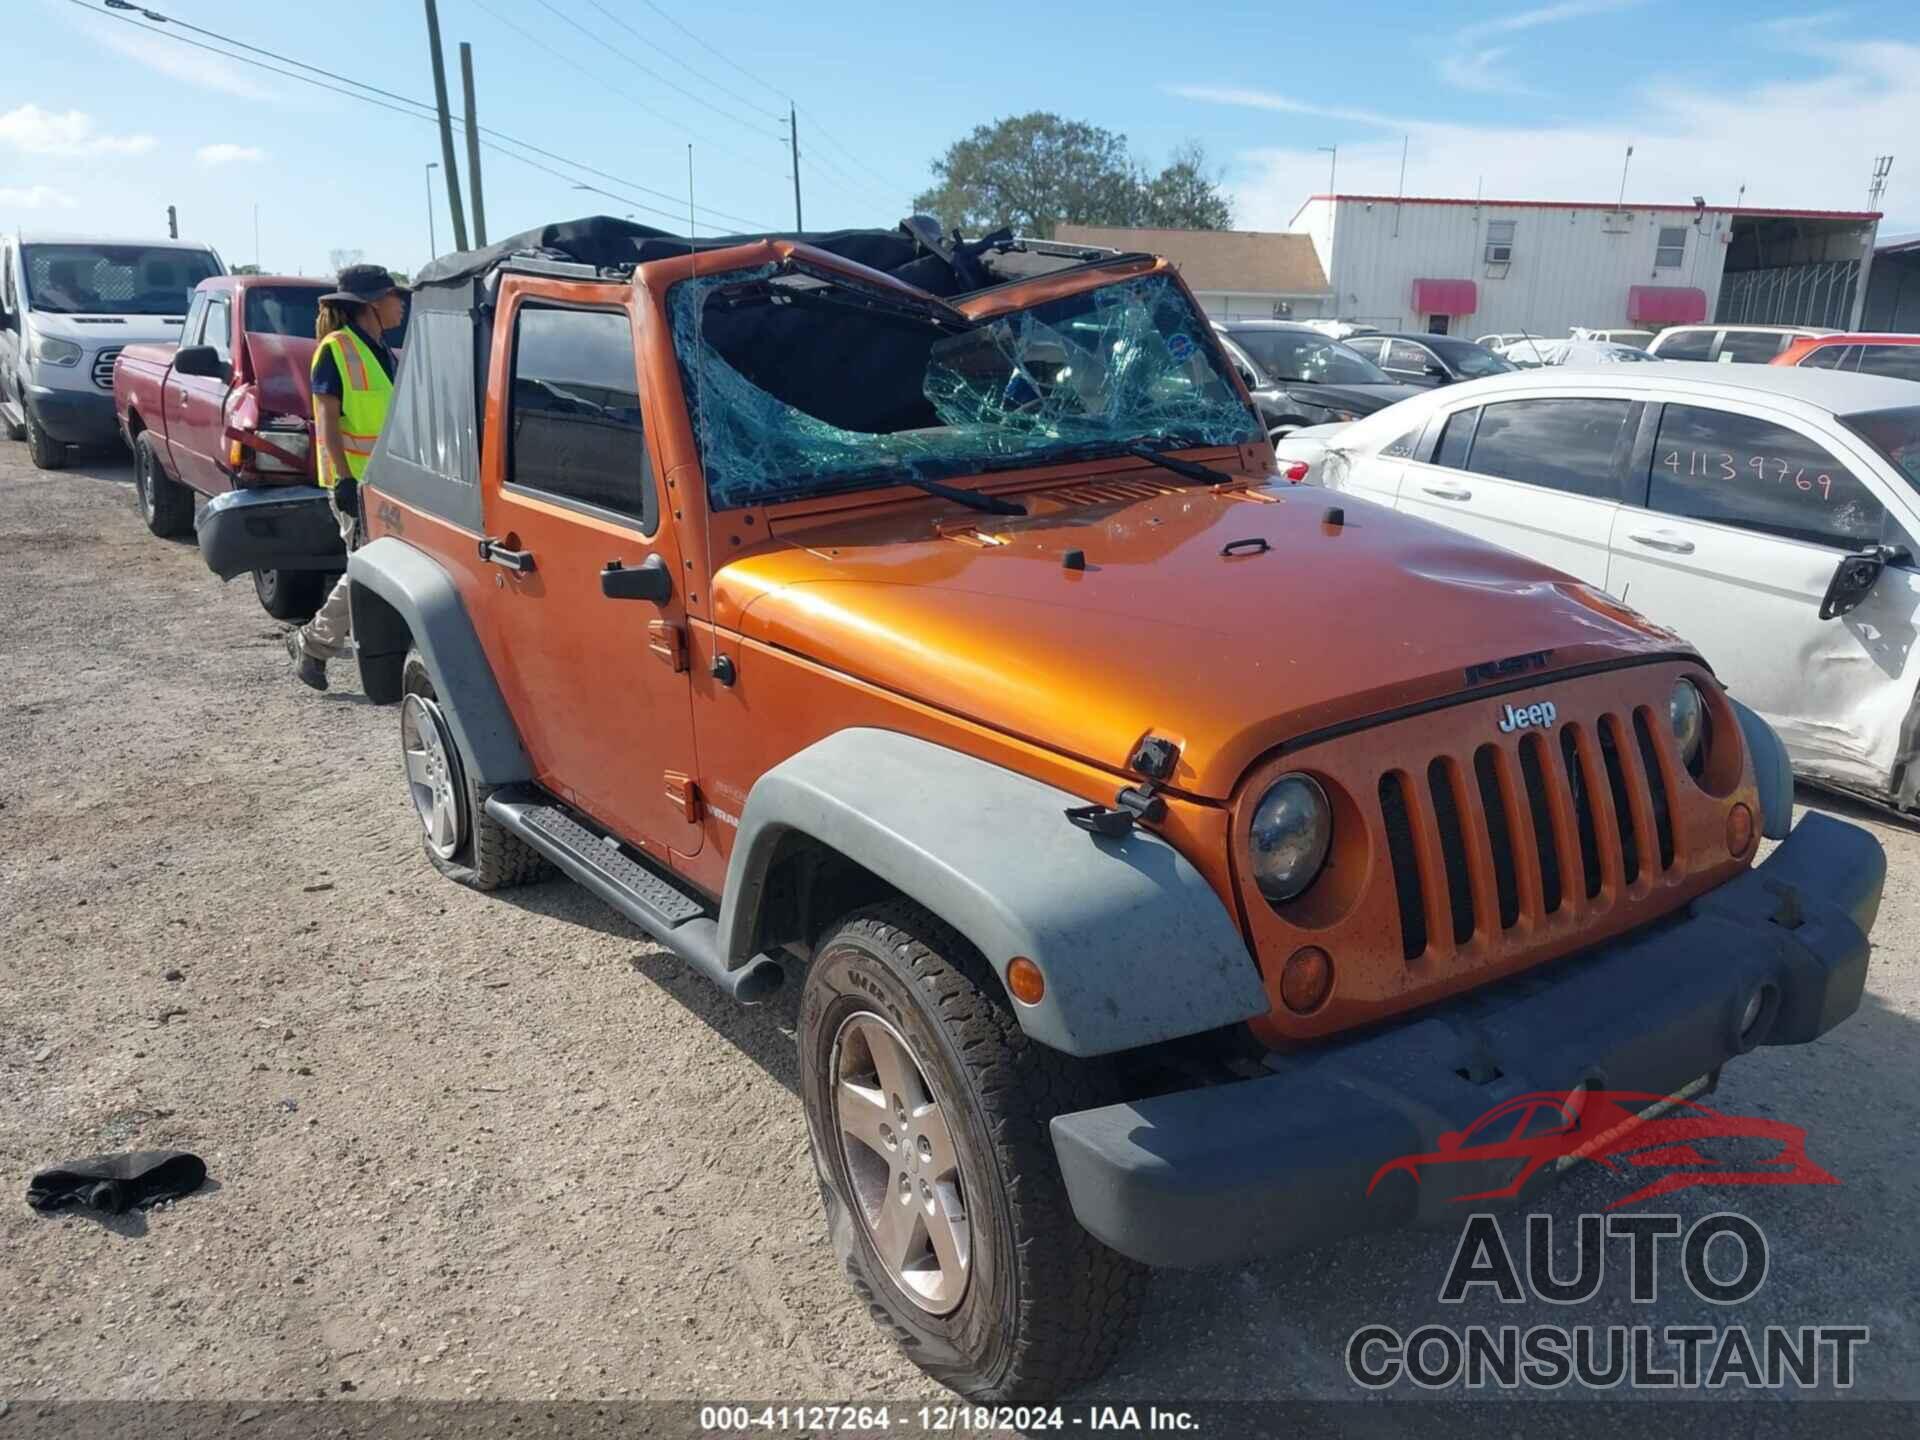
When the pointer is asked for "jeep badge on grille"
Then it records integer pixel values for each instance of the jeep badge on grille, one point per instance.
(1527, 717)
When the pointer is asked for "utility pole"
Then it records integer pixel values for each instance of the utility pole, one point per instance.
(690, 221)
(1333, 215)
(433, 245)
(173, 223)
(446, 129)
(256, 236)
(793, 141)
(473, 146)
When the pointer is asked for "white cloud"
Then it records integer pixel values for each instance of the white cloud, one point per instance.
(1688, 140)
(34, 131)
(198, 68)
(1545, 15)
(35, 197)
(1482, 71)
(1471, 64)
(210, 156)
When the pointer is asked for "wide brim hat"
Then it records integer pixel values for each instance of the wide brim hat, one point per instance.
(364, 284)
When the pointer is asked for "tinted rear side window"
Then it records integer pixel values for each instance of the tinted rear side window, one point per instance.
(1741, 470)
(1456, 440)
(1686, 345)
(1560, 444)
(575, 429)
(1900, 361)
(1750, 347)
(1828, 357)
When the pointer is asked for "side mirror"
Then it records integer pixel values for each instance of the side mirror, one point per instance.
(1856, 575)
(200, 360)
(1436, 370)
(649, 580)
(1247, 378)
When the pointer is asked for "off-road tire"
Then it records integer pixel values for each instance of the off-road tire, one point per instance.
(294, 595)
(46, 452)
(490, 857)
(1046, 1306)
(166, 505)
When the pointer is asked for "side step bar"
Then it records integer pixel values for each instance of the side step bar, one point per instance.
(649, 899)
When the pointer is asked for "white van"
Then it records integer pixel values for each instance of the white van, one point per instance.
(68, 303)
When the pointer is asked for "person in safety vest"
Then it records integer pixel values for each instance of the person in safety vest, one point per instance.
(352, 388)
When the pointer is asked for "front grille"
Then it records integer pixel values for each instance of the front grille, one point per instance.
(103, 367)
(1522, 832)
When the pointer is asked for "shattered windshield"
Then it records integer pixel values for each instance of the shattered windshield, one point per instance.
(801, 384)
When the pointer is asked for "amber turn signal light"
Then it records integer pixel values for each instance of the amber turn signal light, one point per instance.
(1305, 979)
(1025, 981)
(1739, 830)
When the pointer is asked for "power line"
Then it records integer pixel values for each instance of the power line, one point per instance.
(422, 111)
(649, 71)
(717, 54)
(724, 90)
(625, 95)
(813, 123)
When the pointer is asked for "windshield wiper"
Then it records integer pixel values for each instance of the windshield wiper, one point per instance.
(1192, 469)
(972, 499)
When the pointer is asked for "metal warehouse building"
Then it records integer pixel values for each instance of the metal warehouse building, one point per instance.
(1475, 267)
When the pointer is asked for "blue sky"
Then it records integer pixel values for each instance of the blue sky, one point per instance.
(103, 123)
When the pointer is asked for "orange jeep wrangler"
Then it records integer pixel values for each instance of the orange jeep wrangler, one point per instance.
(1159, 848)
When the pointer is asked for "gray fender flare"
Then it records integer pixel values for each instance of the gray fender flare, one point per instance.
(1772, 771)
(1135, 945)
(404, 600)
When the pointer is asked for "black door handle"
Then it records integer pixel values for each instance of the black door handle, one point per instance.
(519, 561)
(649, 580)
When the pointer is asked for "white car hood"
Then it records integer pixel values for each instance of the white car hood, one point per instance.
(93, 331)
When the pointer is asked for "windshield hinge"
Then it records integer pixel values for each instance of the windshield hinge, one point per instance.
(1155, 759)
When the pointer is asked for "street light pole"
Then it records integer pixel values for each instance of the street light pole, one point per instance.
(1333, 212)
(433, 245)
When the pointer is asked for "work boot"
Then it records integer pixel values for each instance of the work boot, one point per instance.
(306, 669)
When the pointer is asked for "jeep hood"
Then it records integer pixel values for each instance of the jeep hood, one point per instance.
(1227, 620)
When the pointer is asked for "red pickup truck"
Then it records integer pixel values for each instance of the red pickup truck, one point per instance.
(228, 408)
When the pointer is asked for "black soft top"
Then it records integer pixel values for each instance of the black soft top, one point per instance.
(914, 251)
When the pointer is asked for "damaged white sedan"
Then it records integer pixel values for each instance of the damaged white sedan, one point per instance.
(1769, 515)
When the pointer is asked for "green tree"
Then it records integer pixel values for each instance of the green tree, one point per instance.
(1033, 172)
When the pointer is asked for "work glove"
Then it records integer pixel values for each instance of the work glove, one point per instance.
(346, 496)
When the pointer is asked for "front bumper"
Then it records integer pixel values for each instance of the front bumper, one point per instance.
(1283, 1162)
(74, 417)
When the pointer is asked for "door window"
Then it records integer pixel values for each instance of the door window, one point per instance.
(574, 427)
(219, 328)
(1686, 344)
(1564, 445)
(1743, 471)
(1367, 345)
(1900, 361)
(1750, 347)
(1456, 440)
(196, 313)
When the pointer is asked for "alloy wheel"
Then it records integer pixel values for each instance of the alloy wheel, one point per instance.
(902, 1163)
(438, 793)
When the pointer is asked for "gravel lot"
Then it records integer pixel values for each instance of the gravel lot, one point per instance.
(504, 1147)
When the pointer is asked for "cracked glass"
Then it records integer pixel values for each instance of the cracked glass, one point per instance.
(802, 384)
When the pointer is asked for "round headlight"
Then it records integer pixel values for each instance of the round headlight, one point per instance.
(1688, 712)
(1292, 826)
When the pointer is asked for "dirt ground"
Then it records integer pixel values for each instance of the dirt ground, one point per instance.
(472, 1146)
